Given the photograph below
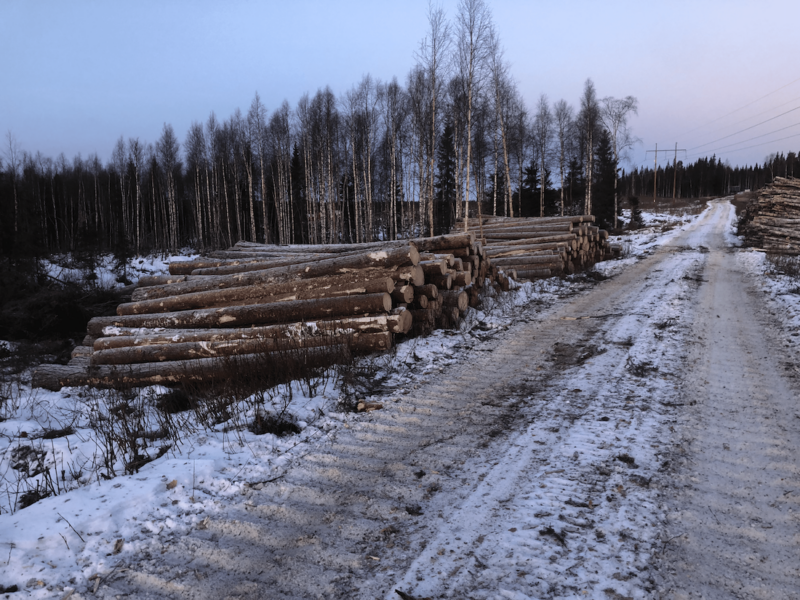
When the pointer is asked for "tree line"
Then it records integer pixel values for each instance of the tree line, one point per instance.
(384, 160)
(707, 177)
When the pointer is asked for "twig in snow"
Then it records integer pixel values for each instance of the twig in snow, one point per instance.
(71, 527)
(65, 540)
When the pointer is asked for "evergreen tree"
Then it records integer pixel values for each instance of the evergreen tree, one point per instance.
(603, 188)
(444, 207)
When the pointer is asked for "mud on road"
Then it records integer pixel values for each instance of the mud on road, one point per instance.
(626, 443)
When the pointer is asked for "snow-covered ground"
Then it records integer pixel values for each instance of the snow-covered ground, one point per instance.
(558, 505)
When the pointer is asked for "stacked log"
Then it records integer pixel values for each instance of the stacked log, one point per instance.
(772, 221)
(312, 304)
(532, 248)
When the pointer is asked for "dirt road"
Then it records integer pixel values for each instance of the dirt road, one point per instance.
(627, 443)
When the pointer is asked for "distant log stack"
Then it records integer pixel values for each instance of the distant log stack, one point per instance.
(772, 221)
(253, 300)
(533, 248)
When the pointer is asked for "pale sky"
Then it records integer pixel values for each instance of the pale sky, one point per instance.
(78, 74)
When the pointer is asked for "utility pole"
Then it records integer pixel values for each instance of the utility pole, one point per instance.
(674, 167)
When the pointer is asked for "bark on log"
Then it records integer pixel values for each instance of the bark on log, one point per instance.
(120, 337)
(359, 343)
(258, 294)
(54, 377)
(534, 274)
(461, 278)
(444, 242)
(403, 294)
(430, 291)
(433, 267)
(458, 299)
(151, 280)
(278, 312)
(443, 282)
(545, 261)
(207, 283)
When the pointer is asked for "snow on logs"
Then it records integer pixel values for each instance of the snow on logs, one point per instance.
(772, 221)
(312, 304)
(532, 248)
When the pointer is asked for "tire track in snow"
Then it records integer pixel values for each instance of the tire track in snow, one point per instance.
(736, 506)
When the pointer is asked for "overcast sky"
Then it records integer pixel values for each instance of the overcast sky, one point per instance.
(78, 74)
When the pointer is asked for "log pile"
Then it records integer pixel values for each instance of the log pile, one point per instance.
(312, 304)
(532, 248)
(772, 220)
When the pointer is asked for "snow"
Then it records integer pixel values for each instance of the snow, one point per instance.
(60, 543)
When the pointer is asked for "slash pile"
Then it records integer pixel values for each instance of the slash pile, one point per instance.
(314, 305)
(772, 220)
(531, 248)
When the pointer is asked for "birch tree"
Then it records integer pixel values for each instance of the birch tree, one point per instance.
(614, 113)
(562, 114)
(432, 56)
(543, 136)
(588, 122)
(474, 36)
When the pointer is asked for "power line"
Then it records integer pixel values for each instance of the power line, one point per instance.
(754, 145)
(758, 136)
(746, 128)
(741, 108)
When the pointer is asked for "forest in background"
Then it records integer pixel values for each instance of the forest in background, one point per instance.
(384, 160)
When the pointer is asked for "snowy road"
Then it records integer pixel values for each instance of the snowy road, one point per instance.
(627, 443)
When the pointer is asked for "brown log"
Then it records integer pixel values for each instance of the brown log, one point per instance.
(421, 302)
(444, 242)
(461, 278)
(458, 299)
(403, 293)
(413, 275)
(529, 260)
(120, 337)
(443, 282)
(359, 343)
(278, 312)
(259, 294)
(430, 291)
(54, 377)
(317, 248)
(433, 267)
(564, 237)
(194, 283)
(448, 258)
(534, 274)
(151, 280)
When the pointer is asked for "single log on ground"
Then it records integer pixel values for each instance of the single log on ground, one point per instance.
(278, 312)
(259, 294)
(278, 367)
